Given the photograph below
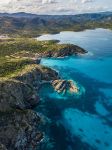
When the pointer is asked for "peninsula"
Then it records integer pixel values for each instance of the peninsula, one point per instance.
(21, 75)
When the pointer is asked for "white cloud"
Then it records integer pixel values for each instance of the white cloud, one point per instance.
(48, 1)
(87, 1)
(2, 2)
(55, 6)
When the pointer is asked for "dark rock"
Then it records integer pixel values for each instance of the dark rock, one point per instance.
(16, 94)
(19, 130)
(37, 75)
(49, 74)
(2, 147)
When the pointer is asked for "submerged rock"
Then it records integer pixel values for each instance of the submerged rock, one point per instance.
(65, 86)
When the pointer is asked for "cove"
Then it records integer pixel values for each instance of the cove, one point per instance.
(80, 121)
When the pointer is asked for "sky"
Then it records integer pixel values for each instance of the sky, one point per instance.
(55, 6)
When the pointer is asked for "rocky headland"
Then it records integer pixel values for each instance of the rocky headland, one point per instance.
(18, 95)
(21, 75)
(66, 50)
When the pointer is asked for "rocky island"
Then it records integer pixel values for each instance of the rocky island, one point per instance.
(21, 75)
(65, 86)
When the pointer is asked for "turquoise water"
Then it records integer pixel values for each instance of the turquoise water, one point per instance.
(81, 122)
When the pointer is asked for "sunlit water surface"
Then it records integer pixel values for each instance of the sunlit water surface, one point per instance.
(81, 122)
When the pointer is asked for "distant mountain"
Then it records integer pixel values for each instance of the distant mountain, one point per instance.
(25, 24)
(18, 15)
(29, 15)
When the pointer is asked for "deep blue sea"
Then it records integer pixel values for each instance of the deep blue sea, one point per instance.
(80, 122)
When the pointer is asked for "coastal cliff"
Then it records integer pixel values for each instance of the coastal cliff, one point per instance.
(21, 76)
(19, 130)
(19, 124)
(65, 50)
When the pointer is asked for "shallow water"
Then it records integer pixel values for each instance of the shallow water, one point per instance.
(81, 122)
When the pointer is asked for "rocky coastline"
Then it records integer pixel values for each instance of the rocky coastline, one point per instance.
(65, 51)
(19, 124)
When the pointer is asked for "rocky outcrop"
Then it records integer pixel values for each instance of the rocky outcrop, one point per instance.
(16, 94)
(20, 92)
(19, 130)
(66, 50)
(18, 125)
(36, 74)
(65, 86)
